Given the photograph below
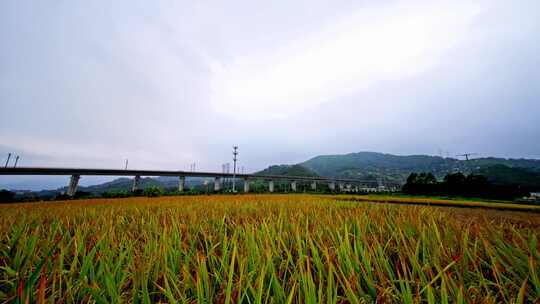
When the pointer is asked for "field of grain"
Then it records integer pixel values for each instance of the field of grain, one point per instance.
(265, 249)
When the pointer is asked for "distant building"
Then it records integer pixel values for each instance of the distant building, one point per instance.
(535, 195)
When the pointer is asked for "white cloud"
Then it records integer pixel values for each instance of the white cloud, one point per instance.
(351, 55)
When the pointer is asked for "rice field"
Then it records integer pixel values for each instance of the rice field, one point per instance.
(265, 249)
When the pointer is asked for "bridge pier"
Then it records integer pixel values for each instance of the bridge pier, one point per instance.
(348, 186)
(332, 186)
(314, 185)
(341, 187)
(217, 184)
(271, 186)
(246, 185)
(293, 186)
(73, 183)
(181, 183)
(136, 182)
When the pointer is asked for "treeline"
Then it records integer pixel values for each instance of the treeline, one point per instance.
(457, 184)
(7, 196)
(257, 186)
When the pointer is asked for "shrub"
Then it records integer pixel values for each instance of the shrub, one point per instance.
(6, 196)
(153, 191)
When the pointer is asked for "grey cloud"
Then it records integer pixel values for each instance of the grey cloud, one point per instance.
(92, 83)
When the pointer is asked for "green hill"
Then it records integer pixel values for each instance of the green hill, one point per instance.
(373, 165)
(126, 184)
(288, 170)
(121, 184)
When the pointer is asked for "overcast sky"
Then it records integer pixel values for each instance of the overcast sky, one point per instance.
(169, 83)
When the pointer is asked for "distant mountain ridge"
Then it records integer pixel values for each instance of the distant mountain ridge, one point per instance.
(288, 170)
(364, 165)
(374, 165)
(126, 184)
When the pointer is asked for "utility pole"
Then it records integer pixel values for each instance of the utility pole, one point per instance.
(7, 161)
(16, 161)
(235, 153)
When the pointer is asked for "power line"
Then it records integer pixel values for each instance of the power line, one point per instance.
(467, 155)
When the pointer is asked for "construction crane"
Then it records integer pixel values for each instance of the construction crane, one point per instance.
(466, 155)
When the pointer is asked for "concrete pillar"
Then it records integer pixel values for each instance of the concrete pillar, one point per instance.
(341, 187)
(314, 185)
(293, 186)
(246, 185)
(270, 186)
(348, 187)
(332, 186)
(72, 187)
(181, 183)
(217, 184)
(136, 181)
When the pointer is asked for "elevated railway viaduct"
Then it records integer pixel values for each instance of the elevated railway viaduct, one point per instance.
(334, 184)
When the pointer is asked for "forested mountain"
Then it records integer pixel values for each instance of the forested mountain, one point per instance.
(367, 165)
(372, 165)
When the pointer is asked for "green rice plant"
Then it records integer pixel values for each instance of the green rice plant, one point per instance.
(265, 249)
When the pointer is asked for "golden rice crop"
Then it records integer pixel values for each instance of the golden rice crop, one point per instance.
(264, 249)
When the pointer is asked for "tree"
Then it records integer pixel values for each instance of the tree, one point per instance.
(460, 185)
(412, 179)
(455, 179)
(423, 183)
(427, 179)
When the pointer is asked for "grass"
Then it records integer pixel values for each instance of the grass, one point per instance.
(453, 198)
(265, 249)
(518, 201)
(444, 202)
